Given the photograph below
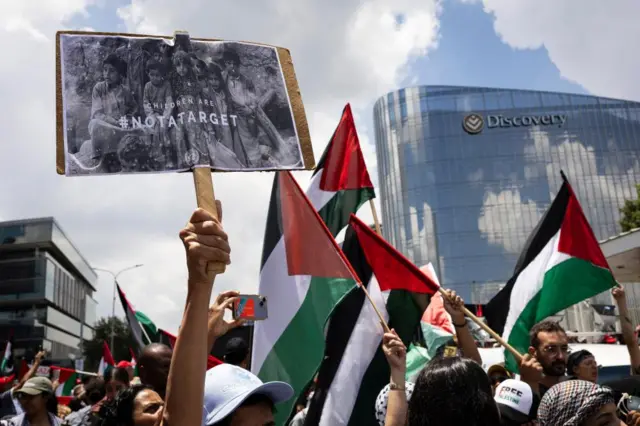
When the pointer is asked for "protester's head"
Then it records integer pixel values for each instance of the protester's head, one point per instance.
(117, 381)
(127, 366)
(383, 400)
(76, 404)
(138, 405)
(231, 61)
(236, 352)
(153, 366)
(36, 397)
(550, 345)
(582, 365)
(452, 391)
(232, 396)
(94, 390)
(497, 374)
(517, 403)
(578, 403)
(114, 69)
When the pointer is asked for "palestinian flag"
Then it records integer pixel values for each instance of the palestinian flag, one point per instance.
(561, 265)
(436, 324)
(303, 275)
(355, 369)
(144, 331)
(341, 183)
(107, 359)
(6, 368)
(169, 339)
(67, 380)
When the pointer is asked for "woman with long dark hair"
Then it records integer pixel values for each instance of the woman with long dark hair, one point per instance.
(448, 391)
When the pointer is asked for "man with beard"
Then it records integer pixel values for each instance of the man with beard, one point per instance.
(549, 345)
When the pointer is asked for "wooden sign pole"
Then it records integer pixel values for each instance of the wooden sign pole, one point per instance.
(207, 201)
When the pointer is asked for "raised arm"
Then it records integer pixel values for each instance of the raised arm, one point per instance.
(628, 333)
(32, 371)
(453, 304)
(205, 241)
(396, 353)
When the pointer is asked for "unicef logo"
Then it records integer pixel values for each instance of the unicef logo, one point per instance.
(473, 124)
(192, 157)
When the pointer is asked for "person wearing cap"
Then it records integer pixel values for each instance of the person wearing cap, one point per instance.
(233, 396)
(127, 366)
(582, 365)
(517, 403)
(9, 404)
(497, 374)
(38, 403)
(236, 352)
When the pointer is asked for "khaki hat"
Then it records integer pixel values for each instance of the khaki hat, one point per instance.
(36, 386)
(498, 369)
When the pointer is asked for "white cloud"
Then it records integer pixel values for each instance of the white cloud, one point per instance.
(344, 51)
(590, 41)
(502, 215)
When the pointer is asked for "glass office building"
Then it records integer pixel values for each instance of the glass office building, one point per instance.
(466, 173)
(46, 290)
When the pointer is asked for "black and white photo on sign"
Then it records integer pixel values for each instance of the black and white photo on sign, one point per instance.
(133, 105)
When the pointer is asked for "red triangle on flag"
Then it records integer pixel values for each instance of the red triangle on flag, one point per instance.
(310, 247)
(65, 373)
(392, 270)
(106, 354)
(576, 236)
(344, 166)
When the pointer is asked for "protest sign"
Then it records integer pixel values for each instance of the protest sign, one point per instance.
(135, 104)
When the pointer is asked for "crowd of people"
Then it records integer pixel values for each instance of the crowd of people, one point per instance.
(173, 386)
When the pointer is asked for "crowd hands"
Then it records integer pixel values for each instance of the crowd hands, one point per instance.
(173, 386)
(554, 387)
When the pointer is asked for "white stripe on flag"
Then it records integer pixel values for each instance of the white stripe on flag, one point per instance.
(361, 348)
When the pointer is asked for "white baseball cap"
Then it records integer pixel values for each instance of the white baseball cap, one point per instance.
(516, 401)
(227, 386)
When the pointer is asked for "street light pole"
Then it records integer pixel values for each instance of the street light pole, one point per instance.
(115, 283)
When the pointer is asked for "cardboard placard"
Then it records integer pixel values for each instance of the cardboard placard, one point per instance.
(138, 103)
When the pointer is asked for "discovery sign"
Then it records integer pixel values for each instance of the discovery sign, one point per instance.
(474, 123)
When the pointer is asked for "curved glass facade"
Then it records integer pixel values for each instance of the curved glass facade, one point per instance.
(466, 197)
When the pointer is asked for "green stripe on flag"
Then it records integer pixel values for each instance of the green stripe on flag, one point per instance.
(336, 212)
(555, 296)
(293, 367)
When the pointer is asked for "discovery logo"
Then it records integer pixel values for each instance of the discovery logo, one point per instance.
(474, 123)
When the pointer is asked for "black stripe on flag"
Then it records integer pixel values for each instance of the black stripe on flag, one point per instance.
(342, 322)
(497, 309)
(273, 231)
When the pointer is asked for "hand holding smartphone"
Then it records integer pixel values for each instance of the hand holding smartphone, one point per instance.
(251, 307)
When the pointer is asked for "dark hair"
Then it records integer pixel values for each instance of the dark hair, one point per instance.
(117, 63)
(181, 58)
(575, 359)
(254, 399)
(75, 404)
(231, 56)
(546, 326)
(120, 374)
(119, 411)
(155, 65)
(52, 403)
(452, 391)
(95, 390)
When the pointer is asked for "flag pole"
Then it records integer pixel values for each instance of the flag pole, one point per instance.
(375, 308)
(488, 329)
(376, 221)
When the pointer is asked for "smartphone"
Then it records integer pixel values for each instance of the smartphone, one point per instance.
(251, 307)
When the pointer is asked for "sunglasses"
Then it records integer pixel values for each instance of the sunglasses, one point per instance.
(496, 380)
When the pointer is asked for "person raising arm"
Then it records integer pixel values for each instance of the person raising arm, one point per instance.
(628, 333)
(454, 305)
(204, 241)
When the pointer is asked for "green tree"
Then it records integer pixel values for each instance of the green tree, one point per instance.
(122, 341)
(631, 213)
